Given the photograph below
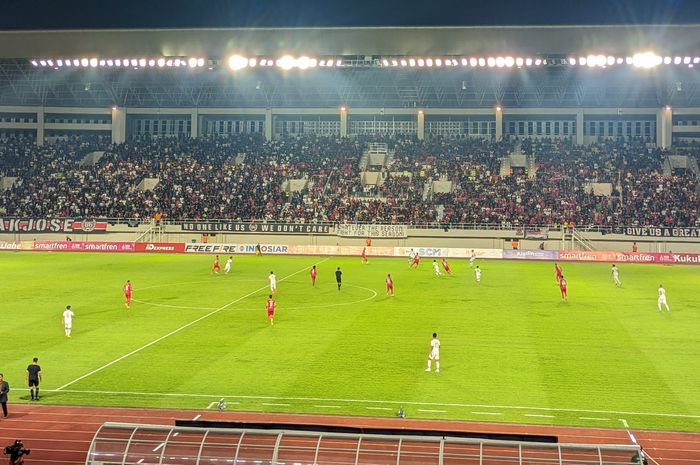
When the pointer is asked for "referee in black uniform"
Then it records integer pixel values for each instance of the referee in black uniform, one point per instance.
(33, 377)
(338, 277)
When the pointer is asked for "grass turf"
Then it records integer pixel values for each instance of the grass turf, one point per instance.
(511, 350)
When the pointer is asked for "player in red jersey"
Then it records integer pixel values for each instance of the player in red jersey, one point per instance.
(557, 268)
(415, 261)
(313, 275)
(446, 266)
(364, 255)
(389, 285)
(216, 268)
(271, 309)
(562, 288)
(127, 294)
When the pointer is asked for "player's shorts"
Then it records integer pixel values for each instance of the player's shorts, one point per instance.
(33, 383)
(217, 267)
(434, 356)
(563, 290)
(127, 295)
(68, 326)
(270, 313)
(390, 287)
(662, 300)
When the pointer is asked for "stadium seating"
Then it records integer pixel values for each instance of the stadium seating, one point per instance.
(246, 178)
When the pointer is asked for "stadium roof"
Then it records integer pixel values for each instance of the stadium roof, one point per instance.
(584, 39)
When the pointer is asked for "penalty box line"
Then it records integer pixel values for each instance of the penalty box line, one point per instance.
(177, 330)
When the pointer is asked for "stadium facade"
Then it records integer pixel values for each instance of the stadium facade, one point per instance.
(578, 82)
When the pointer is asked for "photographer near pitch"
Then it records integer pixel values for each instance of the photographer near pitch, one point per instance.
(16, 451)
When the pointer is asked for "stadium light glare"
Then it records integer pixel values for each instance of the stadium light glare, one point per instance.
(151, 63)
(572, 61)
(610, 60)
(192, 62)
(339, 62)
(385, 62)
(110, 62)
(168, 63)
(330, 63)
(668, 60)
(519, 62)
(34, 63)
(421, 62)
(160, 62)
(253, 62)
(142, 62)
(76, 62)
(49, 62)
(668, 107)
(68, 63)
(412, 62)
(135, 62)
(498, 108)
(491, 62)
(438, 62)
(59, 62)
(114, 107)
(600, 60)
(686, 60)
(582, 61)
(500, 62)
(696, 60)
(102, 62)
(473, 62)
(93, 62)
(429, 62)
(528, 61)
(343, 109)
(629, 60)
(677, 60)
(538, 61)
(509, 62)
(646, 60)
(590, 60)
(200, 62)
(403, 63)
(286, 62)
(464, 62)
(394, 63)
(237, 62)
(303, 62)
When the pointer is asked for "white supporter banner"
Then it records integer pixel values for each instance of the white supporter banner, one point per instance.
(479, 253)
(379, 231)
(236, 248)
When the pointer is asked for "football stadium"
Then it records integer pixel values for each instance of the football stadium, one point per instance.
(361, 245)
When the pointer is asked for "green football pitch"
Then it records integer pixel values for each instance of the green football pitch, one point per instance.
(512, 351)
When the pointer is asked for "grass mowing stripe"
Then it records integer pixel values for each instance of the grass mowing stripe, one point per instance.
(369, 401)
(177, 330)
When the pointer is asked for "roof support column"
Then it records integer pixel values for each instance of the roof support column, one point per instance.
(194, 118)
(579, 127)
(664, 127)
(268, 124)
(343, 122)
(40, 126)
(420, 125)
(499, 122)
(118, 125)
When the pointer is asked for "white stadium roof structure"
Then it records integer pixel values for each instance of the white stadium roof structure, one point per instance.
(431, 67)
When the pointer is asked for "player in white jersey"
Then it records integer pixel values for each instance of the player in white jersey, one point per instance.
(411, 254)
(67, 320)
(472, 259)
(436, 268)
(662, 298)
(273, 282)
(616, 275)
(227, 267)
(477, 274)
(434, 353)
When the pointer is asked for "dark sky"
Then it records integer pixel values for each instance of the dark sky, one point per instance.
(96, 14)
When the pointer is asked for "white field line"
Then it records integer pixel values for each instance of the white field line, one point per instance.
(373, 401)
(196, 417)
(327, 406)
(211, 404)
(432, 411)
(177, 330)
(538, 415)
(276, 404)
(486, 413)
(594, 418)
(377, 408)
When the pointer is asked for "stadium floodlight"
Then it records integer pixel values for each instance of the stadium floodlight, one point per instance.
(192, 62)
(582, 61)
(59, 62)
(142, 62)
(385, 62)
(499, 108)
(168, 63)
(200, 62)
(509, 62)
(428, 62)
(491, 62)
(590, 60)
(686, 60)
(49, 62)
(67, 63)
(473, 61)
(151, 63)
(76, 62)
(538, 61)
(421, 62)
(464, 62)
(253, 62)
(403, 63)
(519, 62)
(412, 62)
(93, 62)
(303, 62)
(629, 60)
(646, 60)
(35, 63)
(668, 60)
(102, 62)
(572, 61)
(42, 62)
(677, 60)
(330, 63)
(499, 62)
(394, 63)
(610, 60)
(286, 62)
(482, 62)
(110, 62)
(236, 62)
(438, 62)
(696, 60)
(528, 61)
(668, 107)
(160, 62)
(343, 109)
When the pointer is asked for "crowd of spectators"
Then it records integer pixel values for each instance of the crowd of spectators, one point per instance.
(246, 178)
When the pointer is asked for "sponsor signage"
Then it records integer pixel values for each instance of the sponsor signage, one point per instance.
(530, 254)
(539, 234)
(388, 231)
(235, 248)
(257, 228)
(51, 225)
(652, 231)
(79, 246)
(159, 247)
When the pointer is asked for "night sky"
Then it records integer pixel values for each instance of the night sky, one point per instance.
(98, 14)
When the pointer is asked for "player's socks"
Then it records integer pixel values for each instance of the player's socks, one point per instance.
(429, 363)
(437, 367)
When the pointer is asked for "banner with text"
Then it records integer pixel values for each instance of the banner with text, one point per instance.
(378, 231)
(510, 254)
(661, 231)
(274, 249)
(159, 247)
(257, 228)
(79, 246)
(52, 225)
